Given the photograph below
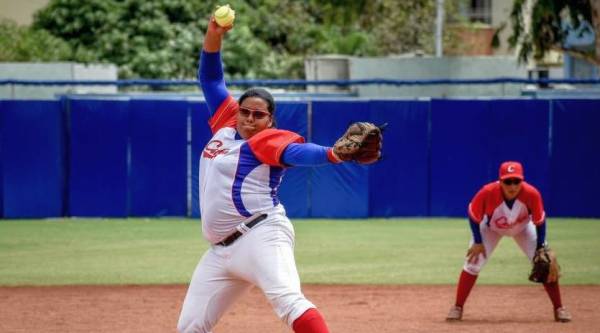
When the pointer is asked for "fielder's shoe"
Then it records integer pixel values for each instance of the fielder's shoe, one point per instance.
(562, 314)
(455, 313)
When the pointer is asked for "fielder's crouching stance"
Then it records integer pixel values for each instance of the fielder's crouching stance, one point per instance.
(240, 171)
(509, 207)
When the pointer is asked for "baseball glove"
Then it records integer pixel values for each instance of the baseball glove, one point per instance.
(545, 267)
(361, 143)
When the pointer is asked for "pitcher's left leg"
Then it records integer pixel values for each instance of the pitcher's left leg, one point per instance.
(270, 252)
(211, 292)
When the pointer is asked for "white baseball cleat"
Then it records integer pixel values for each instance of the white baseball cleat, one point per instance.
(562, 315)
(455, 313)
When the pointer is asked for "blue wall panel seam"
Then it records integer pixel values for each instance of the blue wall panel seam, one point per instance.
(429, 187)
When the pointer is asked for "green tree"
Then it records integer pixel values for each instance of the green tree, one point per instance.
(79, 23)
(551, 23)
(271, 38)
(22, 44)
(152, 39)
(155, 39)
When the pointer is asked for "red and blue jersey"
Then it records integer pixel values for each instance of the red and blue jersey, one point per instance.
(238, 177)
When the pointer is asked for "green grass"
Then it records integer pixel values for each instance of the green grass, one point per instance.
(391, 251)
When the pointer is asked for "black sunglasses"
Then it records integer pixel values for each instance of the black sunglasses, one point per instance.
(512, 181)
(257, 114)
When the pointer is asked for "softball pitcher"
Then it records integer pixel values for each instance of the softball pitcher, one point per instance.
(507, 207)
(252, 240)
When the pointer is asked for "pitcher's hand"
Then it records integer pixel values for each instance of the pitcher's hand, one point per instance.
(214, 28)
(214, 36)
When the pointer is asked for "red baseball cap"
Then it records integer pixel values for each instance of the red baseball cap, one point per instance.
(511, 169)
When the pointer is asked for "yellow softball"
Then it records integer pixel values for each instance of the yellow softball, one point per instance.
(224, 15)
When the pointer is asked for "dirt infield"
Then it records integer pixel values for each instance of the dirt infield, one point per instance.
(347, 309)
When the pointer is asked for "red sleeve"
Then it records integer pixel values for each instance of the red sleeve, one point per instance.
(226, 115)
(331, 157)
(535, 203)
(268, 145)
(477, 205)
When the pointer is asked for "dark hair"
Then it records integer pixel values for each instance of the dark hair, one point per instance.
(264, 95)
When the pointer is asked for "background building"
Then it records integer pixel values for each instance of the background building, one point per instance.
(20, 11)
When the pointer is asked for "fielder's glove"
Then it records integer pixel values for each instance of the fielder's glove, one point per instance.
(545, 267)
(361, 143)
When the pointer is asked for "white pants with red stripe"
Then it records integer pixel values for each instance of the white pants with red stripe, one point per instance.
(263, 257)
(526, 239)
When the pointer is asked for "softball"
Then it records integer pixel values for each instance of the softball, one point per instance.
(224, 16)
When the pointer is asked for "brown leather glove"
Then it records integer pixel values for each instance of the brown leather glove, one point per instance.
(361, 143)
(545, 266)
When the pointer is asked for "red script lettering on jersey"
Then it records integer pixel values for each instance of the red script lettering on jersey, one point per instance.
(212, 149)
(503, 223)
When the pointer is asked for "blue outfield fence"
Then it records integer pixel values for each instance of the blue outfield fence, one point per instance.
(469, 140)
(98, 167)
(158, 157)
(139, 157)
(574, 158)
(32, 168)
(338, 190)
(399, 183)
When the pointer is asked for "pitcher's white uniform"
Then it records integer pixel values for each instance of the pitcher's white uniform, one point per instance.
(238, 179)
(496, 219)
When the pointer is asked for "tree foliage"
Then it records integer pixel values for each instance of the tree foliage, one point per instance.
(551, 21)
(271, 38)
(153, 39)
(22, 44)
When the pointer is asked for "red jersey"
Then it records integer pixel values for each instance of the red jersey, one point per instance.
(488, 206)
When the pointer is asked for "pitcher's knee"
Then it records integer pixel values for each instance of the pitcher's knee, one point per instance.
(193, 326)
(289, 308)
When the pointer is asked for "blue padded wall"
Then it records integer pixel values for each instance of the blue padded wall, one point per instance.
(158, 168)
(575, 164)
(32, 160)
(398, 184)
(338, 191)
(98, 157)
(469, 140)
(200, 136)
(293, 191)
(116, 158)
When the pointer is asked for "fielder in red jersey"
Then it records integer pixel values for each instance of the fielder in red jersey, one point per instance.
(507, 207)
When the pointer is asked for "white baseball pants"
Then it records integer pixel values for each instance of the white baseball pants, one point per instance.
(526, 239)
(263, 257)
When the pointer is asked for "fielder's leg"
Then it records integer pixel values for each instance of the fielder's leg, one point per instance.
(470, 271)
(211, 292)
(527, 241)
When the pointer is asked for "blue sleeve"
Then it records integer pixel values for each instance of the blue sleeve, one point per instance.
(210, 75)
(475, 231)
(304, 154)
(540, 230)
